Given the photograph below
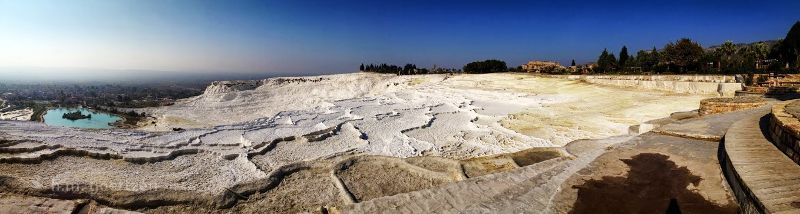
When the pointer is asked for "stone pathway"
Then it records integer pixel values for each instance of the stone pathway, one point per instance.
(686, 144)
(769, 177)
(709, 127)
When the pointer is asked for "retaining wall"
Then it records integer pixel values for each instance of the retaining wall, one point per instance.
(762, 178)
(748, 204)
(722, 105)
(785, 131)
(679, 78)
(688, 84)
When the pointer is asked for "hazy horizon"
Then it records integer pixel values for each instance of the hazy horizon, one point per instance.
(33, 75)
(129, 39)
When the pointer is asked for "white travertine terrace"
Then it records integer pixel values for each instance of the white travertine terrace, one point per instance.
(401, 116)
(22, 114)
(240, 132)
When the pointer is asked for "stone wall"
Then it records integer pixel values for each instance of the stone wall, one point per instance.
(763, 179)
(748, 204)
(756, 89)
(688, 84)
(785, 131)
(722, 105)
(678, 78)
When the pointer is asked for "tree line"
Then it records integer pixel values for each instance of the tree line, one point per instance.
(686, 56)
(683, 56)
(486, 66)
(408, 69)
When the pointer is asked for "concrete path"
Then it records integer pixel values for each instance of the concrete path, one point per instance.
(644, 174)
(683, 151)
(710, 127)
(771, 179)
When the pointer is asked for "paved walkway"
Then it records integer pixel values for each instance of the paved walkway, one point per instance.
(771, 179)
(709, 127)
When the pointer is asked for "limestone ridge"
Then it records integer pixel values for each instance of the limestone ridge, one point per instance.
(218, 87)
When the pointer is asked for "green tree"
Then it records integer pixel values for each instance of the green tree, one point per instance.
(648, 59)
(573, 62)
(655, 55)
(623, 57)
(642, 57)
(747, 59)
(409, 69)
(607, 62)
(612, 62)
(602, 63)
(361, 68)
(761, 50)
(486, 66)
(707, 62)
(775, 50)
(791, 45)
(633, 64)
(685, 54)
(754, 54)
(726, 53)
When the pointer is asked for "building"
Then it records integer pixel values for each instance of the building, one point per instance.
(587, 68)
(541, 66)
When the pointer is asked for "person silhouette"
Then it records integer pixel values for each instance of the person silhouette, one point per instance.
(673, 207)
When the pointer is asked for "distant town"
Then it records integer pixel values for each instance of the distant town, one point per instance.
(19, 100)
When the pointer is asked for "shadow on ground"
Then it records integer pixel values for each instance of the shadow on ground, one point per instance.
(783, 97)
(653, 180)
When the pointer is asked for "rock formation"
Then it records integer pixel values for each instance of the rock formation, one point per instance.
(334, 143)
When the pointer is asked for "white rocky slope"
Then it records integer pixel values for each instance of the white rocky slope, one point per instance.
(22, 114)
(228, 102)
(403, 116)
(239, 132)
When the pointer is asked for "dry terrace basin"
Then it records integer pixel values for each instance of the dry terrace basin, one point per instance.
(728, 104)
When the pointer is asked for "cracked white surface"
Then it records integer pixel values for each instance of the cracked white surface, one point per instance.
(452, 116)
(241, 132)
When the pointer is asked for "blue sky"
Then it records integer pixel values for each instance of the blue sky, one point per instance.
(313, 37)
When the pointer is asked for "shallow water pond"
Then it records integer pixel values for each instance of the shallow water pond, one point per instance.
(99, 120)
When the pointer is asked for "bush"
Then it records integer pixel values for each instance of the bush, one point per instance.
(487, 66)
